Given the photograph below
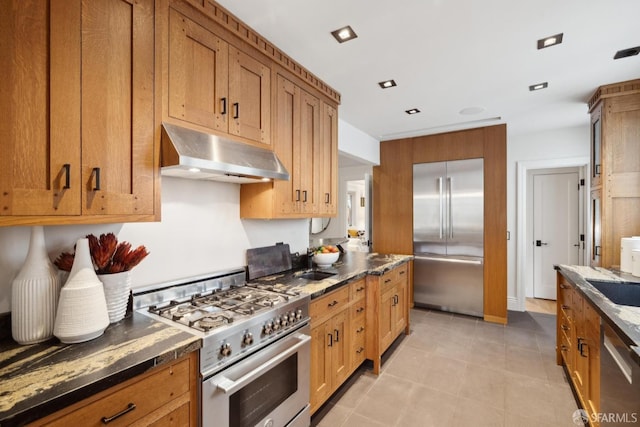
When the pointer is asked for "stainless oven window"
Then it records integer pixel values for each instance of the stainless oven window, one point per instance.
(260, 397)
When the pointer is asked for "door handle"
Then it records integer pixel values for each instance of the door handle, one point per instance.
(541, 243)
(441, 206)
(450, 208)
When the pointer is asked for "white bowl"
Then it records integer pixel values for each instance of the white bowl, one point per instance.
(325, 260)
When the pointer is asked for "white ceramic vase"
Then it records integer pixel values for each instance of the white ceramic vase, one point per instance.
(116, 292)
(34, 294)
(82, 309)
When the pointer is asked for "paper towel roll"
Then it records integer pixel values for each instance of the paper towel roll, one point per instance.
(635, 260)
(627, 244)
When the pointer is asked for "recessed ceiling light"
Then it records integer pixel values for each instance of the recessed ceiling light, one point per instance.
(538, 86)
(387, 84)
(344, 34)
(412, 111)
(632, 51)
(471, 110)
(550, 41)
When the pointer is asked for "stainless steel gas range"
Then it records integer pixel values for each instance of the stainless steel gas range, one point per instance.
(255, 355)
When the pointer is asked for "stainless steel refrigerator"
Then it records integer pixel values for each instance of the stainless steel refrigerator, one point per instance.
(448, 241)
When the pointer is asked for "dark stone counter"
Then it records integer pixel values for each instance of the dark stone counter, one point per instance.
(625, 320)
(350, 266)
(37, 380)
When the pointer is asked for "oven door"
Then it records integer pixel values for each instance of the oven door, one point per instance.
(268, 388)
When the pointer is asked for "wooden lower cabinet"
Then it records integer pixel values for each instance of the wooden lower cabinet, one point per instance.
(166, 396)
(578, 344)
(387, 311)
(337, 339)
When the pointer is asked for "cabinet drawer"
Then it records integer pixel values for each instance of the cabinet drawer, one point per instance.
(358, 311)
(565, 349)
(333, 302)
(565, 327)
(147, 395)
(357, 290)
(564, 290)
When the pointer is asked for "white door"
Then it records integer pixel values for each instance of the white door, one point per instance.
(556, 228)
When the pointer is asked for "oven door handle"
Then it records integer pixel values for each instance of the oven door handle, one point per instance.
(230, 386)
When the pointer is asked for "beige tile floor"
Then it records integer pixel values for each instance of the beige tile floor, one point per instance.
(460, 371)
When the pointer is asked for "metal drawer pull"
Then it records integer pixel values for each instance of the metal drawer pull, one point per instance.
(360, 329)
(327, 198)
(564, 348)
(360, 289)
(96, 173)
(360, 310)
(304, 195)
(337, 335)
(564, 327)
(360, 350)
(237, 107)
(387, 280)
(67, 176)
(403, 271)
(224, 106)
(331, 304)
(130, 407)
(565, 307)
(563, 286)
(330, 340)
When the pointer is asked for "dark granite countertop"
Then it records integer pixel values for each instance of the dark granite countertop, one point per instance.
(37, 380)
(625, 320)
(349, 267)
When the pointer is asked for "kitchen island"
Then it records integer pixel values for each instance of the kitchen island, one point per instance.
(39, 380)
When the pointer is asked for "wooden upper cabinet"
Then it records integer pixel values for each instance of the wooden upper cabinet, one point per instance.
(328, 170)
(77, 102)
(198, 74)
(214, 85)
(249, 97)
(117, 82)
(40, 108)
(306, 171)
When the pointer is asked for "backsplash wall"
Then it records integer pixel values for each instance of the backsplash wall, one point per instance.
(200, 232)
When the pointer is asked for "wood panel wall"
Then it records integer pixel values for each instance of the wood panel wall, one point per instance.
(393, 199)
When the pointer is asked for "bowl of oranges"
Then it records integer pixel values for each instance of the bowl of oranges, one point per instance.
(325, 255)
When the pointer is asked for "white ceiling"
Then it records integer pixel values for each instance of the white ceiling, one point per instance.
(446, 55)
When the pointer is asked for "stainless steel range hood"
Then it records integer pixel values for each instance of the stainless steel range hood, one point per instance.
(197, 155)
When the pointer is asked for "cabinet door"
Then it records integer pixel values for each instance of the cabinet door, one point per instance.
(596, 146)
(250, 97)
(321, 372)
(399, 309)
(117, 81)
(40, 108)
(286, 135)
(386, 325)
(592, 348)
(596, 228)
(306, 173)
(328, 170)
(198, 74)
(341, 352)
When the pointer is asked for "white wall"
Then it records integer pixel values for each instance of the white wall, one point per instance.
(355, 143)
(200, 232)
(555, 144)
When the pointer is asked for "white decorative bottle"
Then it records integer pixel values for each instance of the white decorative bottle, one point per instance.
(34, 294)
(82, 309)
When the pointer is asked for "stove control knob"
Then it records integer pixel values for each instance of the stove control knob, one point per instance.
(292, 317)
(299, 314)
(225, 349)
(276, 324)
(247, 339)
(268, 328)
(285, 321)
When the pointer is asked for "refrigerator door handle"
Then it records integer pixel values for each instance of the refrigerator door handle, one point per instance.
(450, 211)
(452, 260)
(441, 207)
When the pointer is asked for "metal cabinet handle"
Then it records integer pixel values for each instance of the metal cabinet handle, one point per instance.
(565, 307)
(564, 348)
(331, 304)
(597, 169)
(304, 195)
(563, 286)
(96, 174)
(67, 176)
(441, 207)
(360, 289)
(597, 251)
(297, 195)
(387, 280)
(360, 329)
(360, 350)
(236, 107)
(450, 208)
(224, 106)
(337, 335)
(327, 198)
(564, 327)
(360, 310)
(130, 407)
(330, 340)
(403, 272)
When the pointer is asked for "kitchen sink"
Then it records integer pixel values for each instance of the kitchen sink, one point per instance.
(316, 275)
(623, 293)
